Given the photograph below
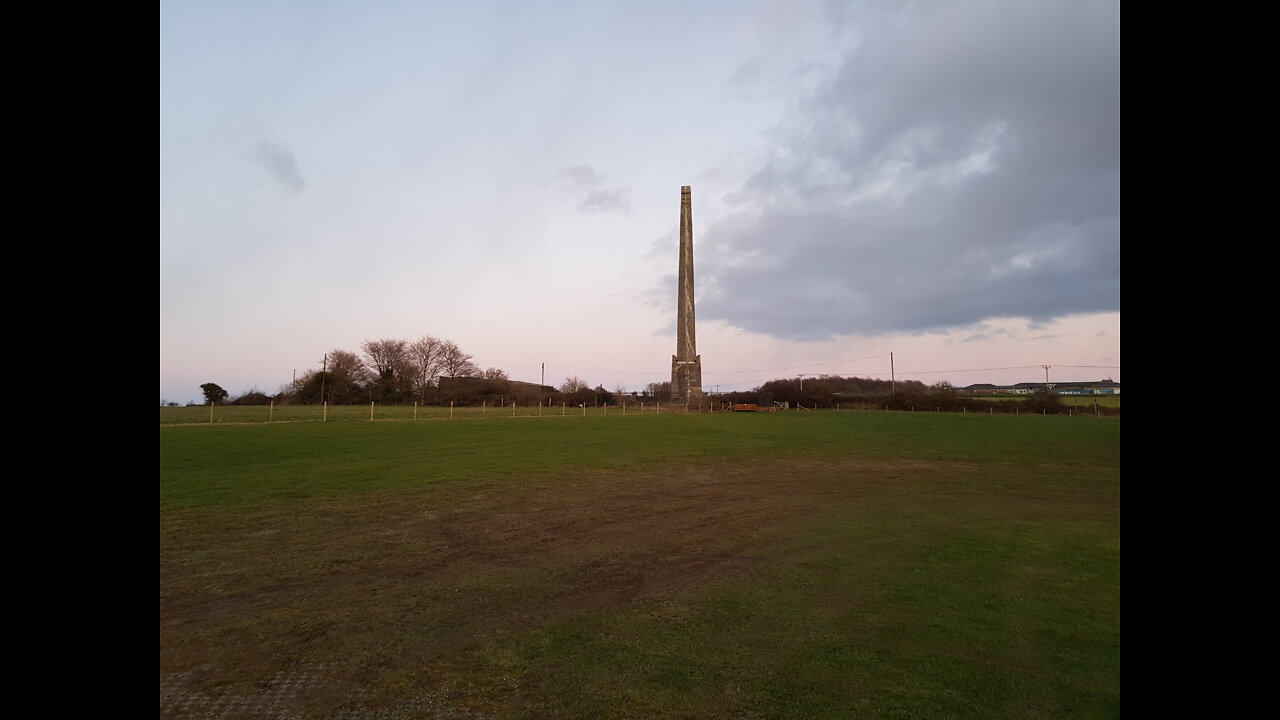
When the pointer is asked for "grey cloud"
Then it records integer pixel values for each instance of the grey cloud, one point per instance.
(664, 248)
(988, 335)
(591, 193)
(278, 160)
(961, 162)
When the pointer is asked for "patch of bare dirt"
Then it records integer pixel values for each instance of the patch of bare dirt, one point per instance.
(388, 588)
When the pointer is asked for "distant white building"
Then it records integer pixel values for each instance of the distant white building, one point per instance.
(1101, 387)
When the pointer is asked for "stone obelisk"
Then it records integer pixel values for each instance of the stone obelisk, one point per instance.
(686, 365)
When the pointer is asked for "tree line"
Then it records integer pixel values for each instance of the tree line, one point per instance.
(433, 370)
(427, 371)
(826, 389)
(388, 370)
(395, 371)
(871, 393)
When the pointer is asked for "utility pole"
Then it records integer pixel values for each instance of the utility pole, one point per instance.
(893, 380)
(1046, 375)
(323, 373)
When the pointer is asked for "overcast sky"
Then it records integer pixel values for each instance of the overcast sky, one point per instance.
(940, 180)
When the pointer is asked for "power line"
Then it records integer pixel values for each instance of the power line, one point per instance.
(798, 367)
(603, 370)
(723, 372)
(835, 362)
(1012, 367)
(992, 369)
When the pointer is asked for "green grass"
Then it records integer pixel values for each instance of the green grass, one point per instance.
(957, 623)
(239, 464)
(1106, 401)
(790, 565)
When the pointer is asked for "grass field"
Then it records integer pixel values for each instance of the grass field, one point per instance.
(789, 565)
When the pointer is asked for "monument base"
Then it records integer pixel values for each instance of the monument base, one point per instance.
(686, 379)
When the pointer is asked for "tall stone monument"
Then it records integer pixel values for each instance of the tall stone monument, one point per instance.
(686, 364)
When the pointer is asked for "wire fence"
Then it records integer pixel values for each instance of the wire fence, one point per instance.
(206, 414)
(258, 414)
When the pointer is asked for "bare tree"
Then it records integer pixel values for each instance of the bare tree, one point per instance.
(659, 390)
(455, 363)
(389, 360)
(426, 354)
(347, 364)
(387, 357)
(573, 385)
(494, 374)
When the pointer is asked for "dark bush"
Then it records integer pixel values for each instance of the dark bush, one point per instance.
(253, 397)
(1044, 401)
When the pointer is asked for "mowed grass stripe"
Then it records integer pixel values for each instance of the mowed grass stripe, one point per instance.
(229, 465)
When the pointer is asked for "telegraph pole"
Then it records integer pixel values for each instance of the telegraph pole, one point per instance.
(1046, 375)
(893, 381)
